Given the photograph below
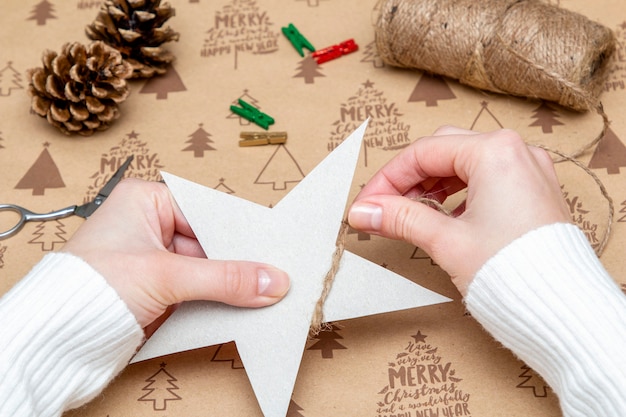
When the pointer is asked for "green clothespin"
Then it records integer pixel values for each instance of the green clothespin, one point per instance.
(252, 114)
(297, 40)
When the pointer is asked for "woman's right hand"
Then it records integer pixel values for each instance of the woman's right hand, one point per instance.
(512, 188)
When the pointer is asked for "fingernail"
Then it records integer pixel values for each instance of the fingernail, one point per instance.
(272, 282)
(365, 216)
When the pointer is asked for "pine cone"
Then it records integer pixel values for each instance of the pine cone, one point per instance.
(133, 27)
(79, 89)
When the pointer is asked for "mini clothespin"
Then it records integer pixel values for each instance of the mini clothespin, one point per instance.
(297, 40)
(252, 114)
(262, 138)
(335, 51)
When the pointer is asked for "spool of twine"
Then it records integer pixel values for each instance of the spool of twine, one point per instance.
(519, 47)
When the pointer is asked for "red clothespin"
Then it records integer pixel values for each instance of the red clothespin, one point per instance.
(348, 46)
(326, 54)
(335, 51)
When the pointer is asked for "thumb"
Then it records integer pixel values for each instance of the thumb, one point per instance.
(400, 218)
(239, 283)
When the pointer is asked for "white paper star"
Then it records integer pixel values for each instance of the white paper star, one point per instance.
(299, 236)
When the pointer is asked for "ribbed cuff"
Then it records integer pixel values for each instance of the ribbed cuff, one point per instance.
(65, 334)
(548, 298)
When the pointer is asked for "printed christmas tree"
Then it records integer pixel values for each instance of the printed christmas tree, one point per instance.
(370, 54)
(546, 117)
(281, 169)
(294, 410)
(199, 142)
(532, 380)
(223, 187)
(610, 154)
(420, 380)
(485, 120)
(385, 131)
(430, 89)
(10, 79)
(308, 69)
(42, 12)
(3, 250)
(43, 174)
(360, 235)
(227, 352)
(160, 389)
(162, 85)
(419, 253)
(617, 69)
(622, 212)
(327, 341)
(248, 99)
(145, 165)
(240, 27)
(49, 234)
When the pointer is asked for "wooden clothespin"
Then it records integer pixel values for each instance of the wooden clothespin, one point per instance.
(262, 138)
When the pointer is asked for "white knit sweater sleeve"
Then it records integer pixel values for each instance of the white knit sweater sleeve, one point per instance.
(547, 297)
(64, 335)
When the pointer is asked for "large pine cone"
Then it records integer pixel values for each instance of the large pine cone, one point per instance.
(79, 89)
(134, 27)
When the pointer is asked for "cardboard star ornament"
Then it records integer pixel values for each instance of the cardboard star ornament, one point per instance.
(299, 236)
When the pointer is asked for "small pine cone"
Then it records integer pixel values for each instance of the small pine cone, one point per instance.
(134, 27)
(79, 89)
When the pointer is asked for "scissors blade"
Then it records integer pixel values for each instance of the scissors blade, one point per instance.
(88, 209)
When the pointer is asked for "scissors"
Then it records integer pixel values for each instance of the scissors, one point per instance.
(83, 211)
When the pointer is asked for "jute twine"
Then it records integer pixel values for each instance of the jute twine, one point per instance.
(599, 249)
(520, 47)
(317, 322)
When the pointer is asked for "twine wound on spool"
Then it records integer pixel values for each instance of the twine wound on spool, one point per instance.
(520, 47)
